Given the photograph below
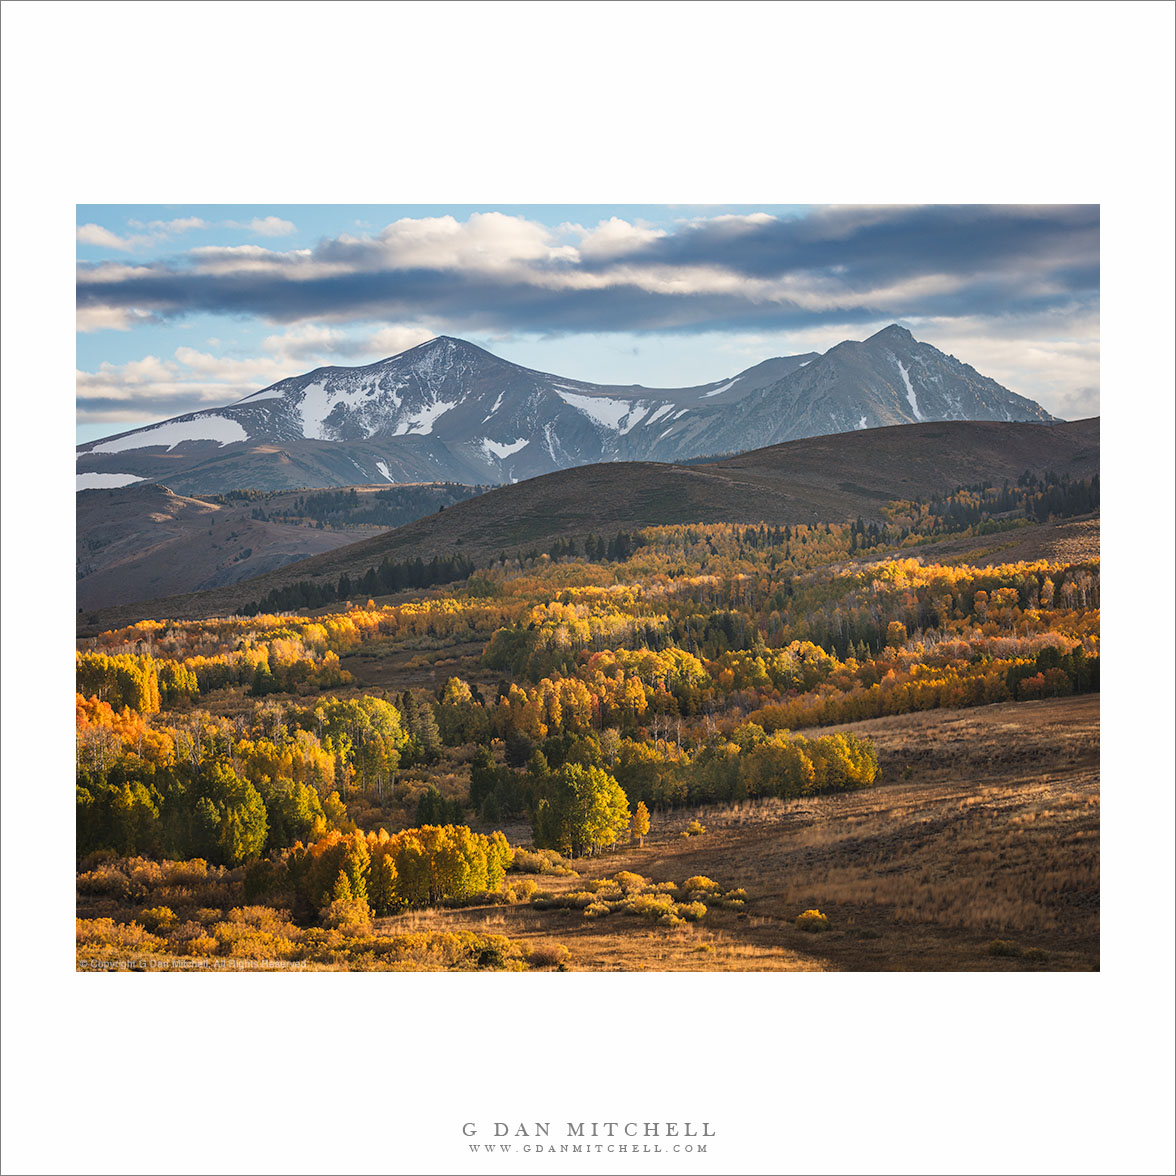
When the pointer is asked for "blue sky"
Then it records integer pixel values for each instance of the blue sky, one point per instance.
(182, 307)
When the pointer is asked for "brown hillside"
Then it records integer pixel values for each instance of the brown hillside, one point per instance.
(142, 542)
(816, 479)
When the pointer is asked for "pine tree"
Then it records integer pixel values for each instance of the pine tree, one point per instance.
(428, 734)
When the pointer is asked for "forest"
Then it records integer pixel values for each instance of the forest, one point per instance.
(340, 767)
(340, 509)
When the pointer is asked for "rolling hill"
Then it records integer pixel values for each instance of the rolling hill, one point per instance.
(143, 541)
(816, 479)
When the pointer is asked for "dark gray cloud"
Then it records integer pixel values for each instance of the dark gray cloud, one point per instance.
(884, 245)
(836, 265)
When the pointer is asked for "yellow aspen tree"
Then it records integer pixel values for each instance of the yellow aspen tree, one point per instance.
(640, 823)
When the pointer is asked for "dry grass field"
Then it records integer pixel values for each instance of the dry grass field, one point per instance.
(978, 852)
(1068, 541)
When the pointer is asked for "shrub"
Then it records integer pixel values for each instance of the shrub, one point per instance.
(95, 935)
(161, 918)
(690, 911)
(651, 906)
(630, 883)
(529, 861)
(352, 916)
(522, 890)
(539, 861)
(1003, 947)
(185, 873)
(579, 899)
(190, 938)
(105, 879)
(597, 910)
(491, 957)
(731, 900)
(812, 921)
(700, 884)
(694, 829)
(548, 955)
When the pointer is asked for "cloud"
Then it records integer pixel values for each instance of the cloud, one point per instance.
(265, 226)
(149, 233)
(614, 237)
(153, 233)
(192, 379)
(155, 387)
(1013, 290)
(313, 341)
(390, 341)
(110, 318)
(173, 228)
(498, 272)
(91, 234)
(1051, 357)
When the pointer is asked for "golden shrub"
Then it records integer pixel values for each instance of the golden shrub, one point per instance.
(812, 920)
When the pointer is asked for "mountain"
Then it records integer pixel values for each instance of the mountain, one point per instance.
(450, 411)
(825, 478)
(890, 379)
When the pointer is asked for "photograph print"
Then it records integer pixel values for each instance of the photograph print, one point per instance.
(587, 588)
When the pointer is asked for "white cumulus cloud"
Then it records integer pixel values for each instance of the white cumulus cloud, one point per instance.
(614, 236)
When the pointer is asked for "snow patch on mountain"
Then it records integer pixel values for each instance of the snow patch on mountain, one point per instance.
(104, 481)
(320, 400)
(604, 410)
(422, 420)
(551, 445)
(716, 391)
(906, 379)
(382, 466)
(220, 429)
(503, 451)
(635, 417)
(497, 406)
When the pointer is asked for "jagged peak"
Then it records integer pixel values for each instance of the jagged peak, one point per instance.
(444, 343)
(894, 333)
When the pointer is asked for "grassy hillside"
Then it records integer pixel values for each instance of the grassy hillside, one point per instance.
(816, 479)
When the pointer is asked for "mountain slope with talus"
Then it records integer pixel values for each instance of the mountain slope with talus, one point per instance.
(450, 411)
